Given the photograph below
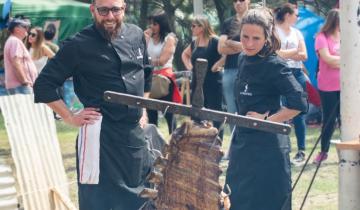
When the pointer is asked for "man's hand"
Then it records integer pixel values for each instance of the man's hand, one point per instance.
(86, 116)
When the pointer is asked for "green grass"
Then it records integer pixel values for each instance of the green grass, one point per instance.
(323, 195)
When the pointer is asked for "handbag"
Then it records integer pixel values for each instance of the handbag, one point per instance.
(159, 86)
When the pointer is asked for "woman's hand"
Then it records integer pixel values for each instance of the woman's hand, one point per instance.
(147, 35)
(258, 115)
(86, 116)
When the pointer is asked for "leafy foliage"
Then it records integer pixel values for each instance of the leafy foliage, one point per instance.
(180, 13)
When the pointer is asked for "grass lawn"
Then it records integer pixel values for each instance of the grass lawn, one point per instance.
(323, 195)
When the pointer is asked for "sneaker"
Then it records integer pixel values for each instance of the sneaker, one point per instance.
(320, 157)
(299, 157)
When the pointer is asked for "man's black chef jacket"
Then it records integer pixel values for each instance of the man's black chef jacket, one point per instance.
(98, 65)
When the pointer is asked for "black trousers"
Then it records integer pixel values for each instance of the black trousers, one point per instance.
(153, 115)
(330, 102)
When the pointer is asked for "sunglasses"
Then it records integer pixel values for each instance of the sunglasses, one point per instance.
(238, 1)
(104, 11)
(32, 34)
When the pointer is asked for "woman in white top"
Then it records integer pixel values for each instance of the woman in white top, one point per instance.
(39, 52)
(161, 45)
(293, 50)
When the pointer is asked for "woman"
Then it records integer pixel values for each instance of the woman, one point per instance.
(293, 50)
(327, 46)
(259, 167)
(161, 44)
(205, 46)
(40, 53)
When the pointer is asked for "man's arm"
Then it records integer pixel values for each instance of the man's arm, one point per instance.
(227, 46)
(85, 116)
(19, 71)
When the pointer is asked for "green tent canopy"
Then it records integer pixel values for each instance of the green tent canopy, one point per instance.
(71, 15)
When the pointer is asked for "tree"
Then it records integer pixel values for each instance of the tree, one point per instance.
(181, 11)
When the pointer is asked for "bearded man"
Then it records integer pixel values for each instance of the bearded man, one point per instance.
(112, 159)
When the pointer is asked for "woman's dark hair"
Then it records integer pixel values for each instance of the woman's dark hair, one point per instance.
(160, 17)
(280, 12)
(264, 18)
(331, 23)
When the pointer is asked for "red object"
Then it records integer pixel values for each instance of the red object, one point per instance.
(168, 72)
(313, 93)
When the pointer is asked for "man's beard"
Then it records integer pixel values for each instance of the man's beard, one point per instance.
(108, 33)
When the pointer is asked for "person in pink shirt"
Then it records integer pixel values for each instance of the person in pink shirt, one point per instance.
(327, 46)
(20, 70)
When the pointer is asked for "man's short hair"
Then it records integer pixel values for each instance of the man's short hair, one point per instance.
(14, 22)
(94, 2)
(50, 32)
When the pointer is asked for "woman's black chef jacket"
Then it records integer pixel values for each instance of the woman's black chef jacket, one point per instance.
(98, 65)
(259, 166)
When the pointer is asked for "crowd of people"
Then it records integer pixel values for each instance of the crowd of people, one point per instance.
(26, 52)
(255, 67)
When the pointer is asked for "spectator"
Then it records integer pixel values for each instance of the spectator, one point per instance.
(327, 46)
(230, 46)
(20, 70)
(49, 35)
(39, 51)
(161, 45)
(293, 50)
(205, 46)
(259, 172)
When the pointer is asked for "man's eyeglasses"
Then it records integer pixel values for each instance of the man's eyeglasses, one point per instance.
(238, 1)
(104, 11)
(33, 35)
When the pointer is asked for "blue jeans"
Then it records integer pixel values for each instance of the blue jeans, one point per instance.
(299, 120)
(20, 90)
(228, 83)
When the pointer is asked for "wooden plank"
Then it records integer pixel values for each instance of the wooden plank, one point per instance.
(348, 145)
(35, 150)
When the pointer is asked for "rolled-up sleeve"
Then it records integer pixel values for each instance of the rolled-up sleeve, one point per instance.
(287, 85)
(54, 74)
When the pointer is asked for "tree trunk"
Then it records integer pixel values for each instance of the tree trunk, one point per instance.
(220, 9)
(349, 167)
(143, 13)
(170, 8)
